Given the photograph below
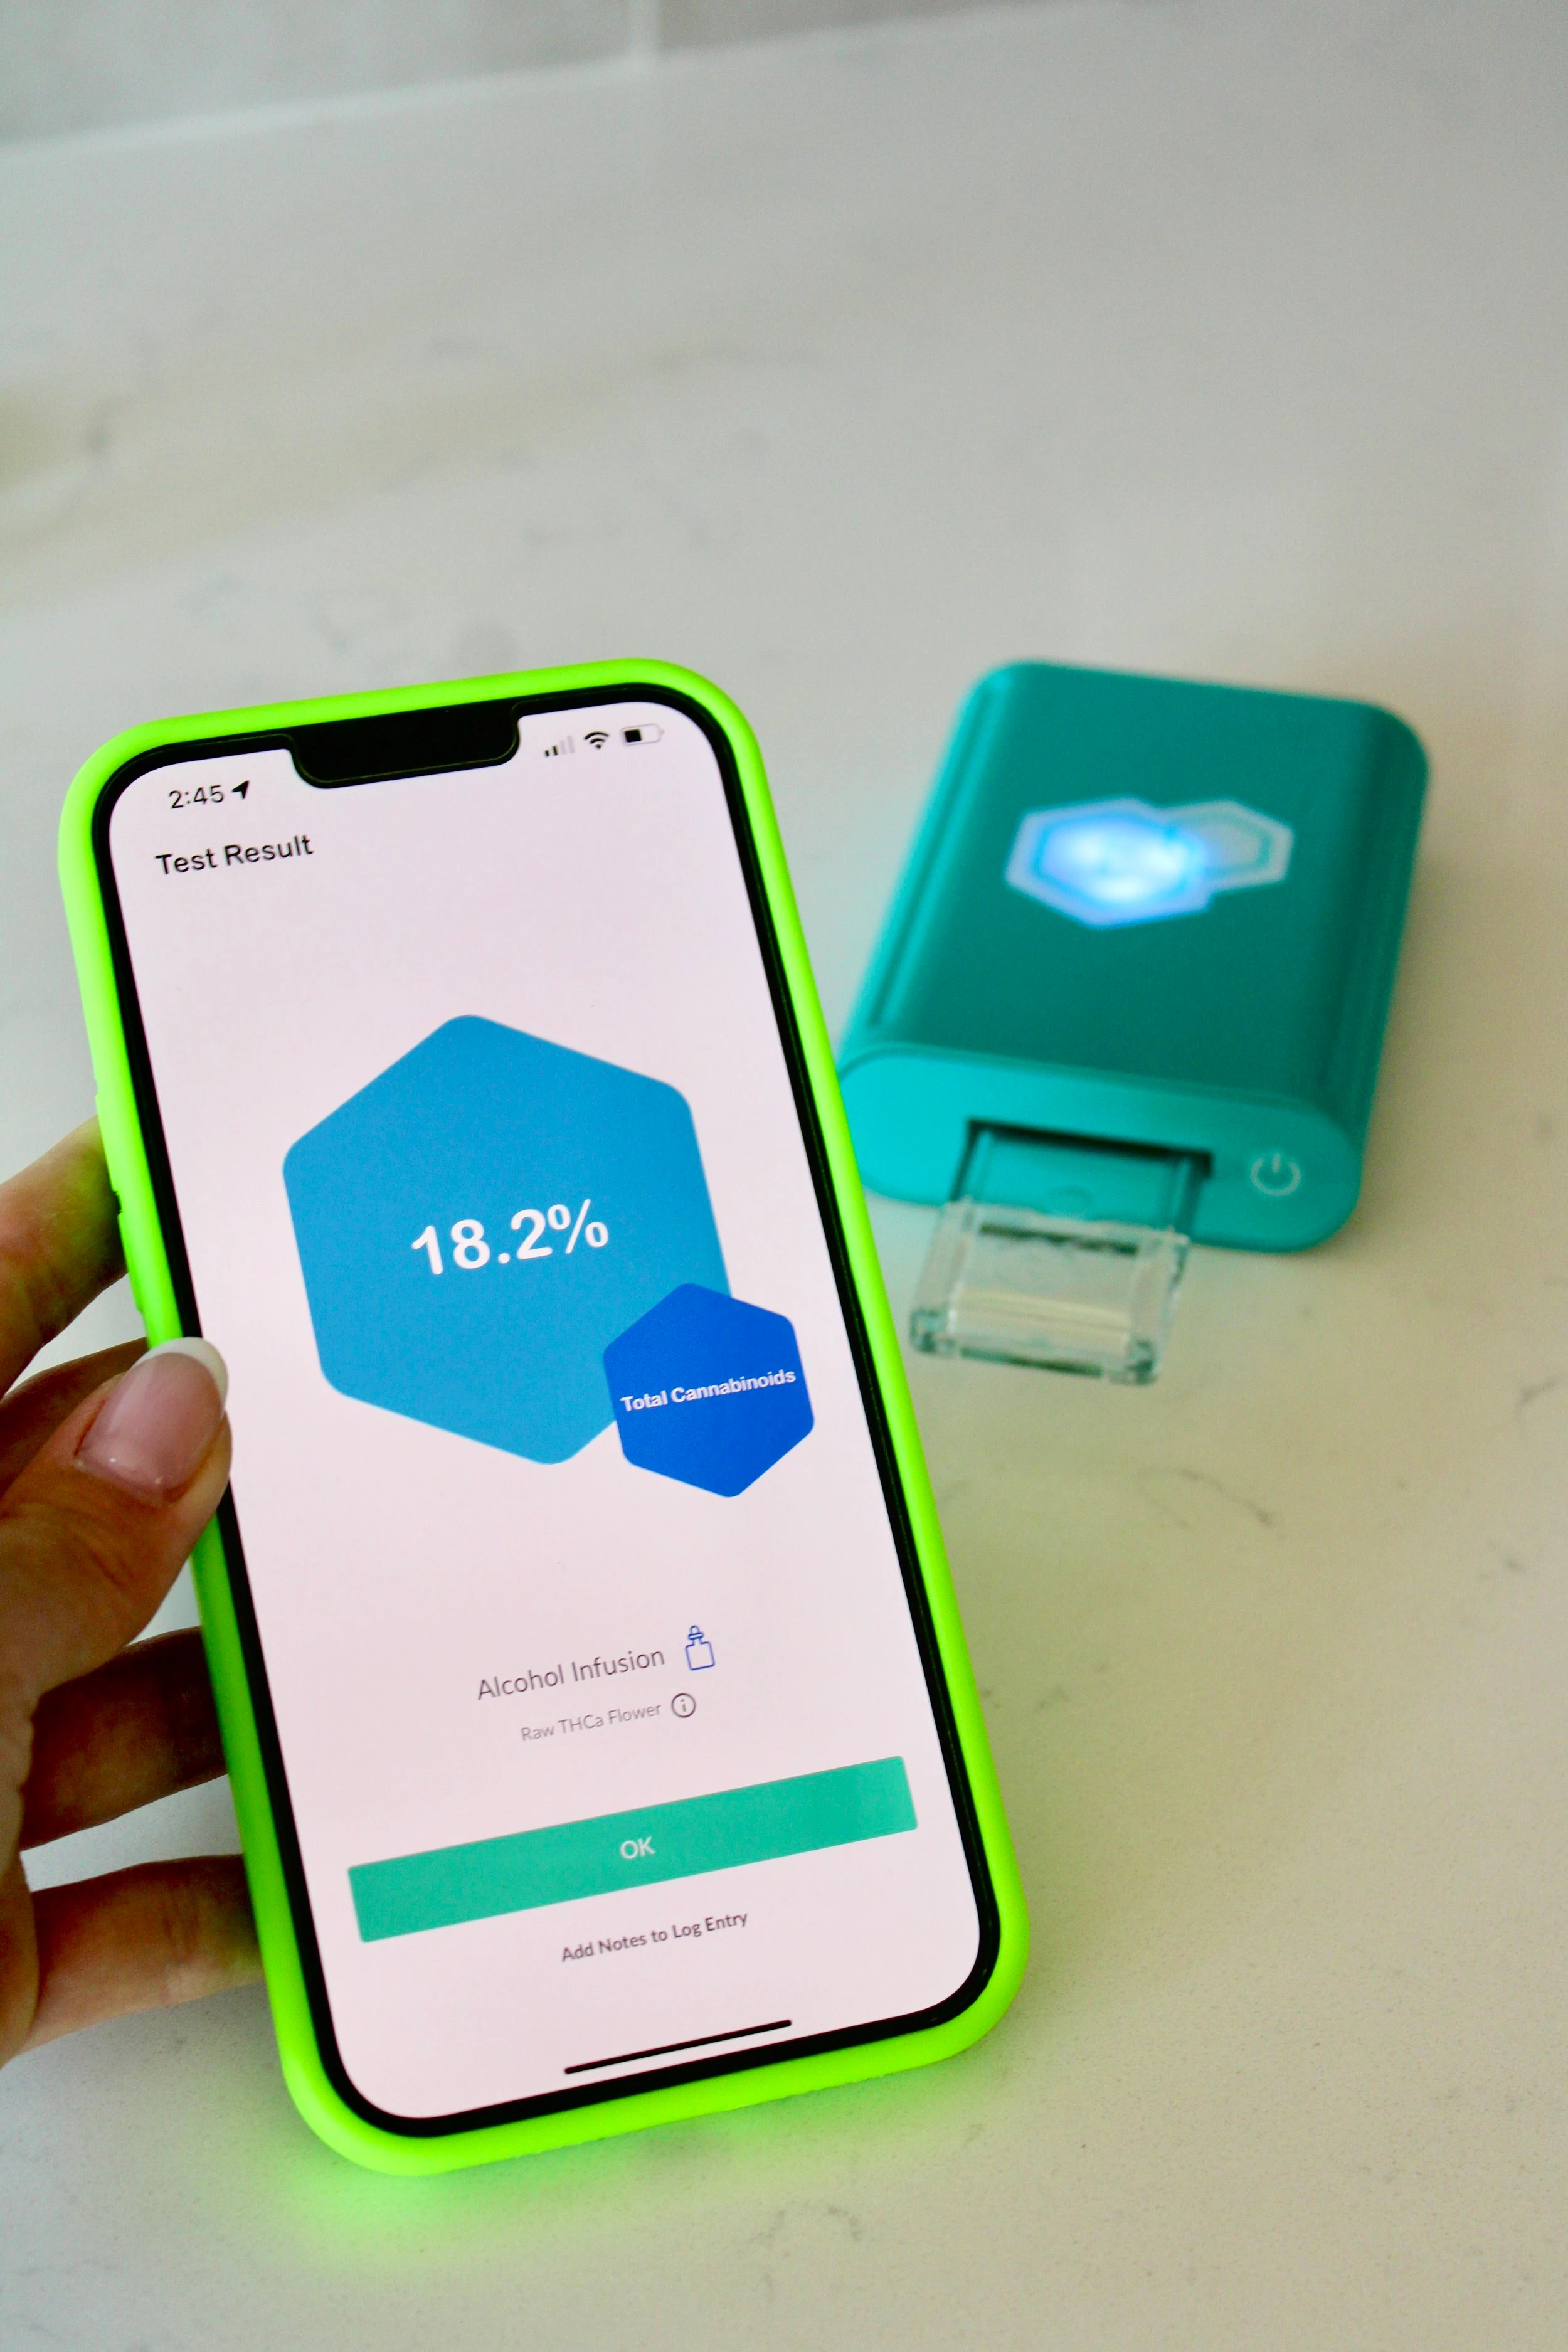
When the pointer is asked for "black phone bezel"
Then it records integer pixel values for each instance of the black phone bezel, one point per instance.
(346, 753)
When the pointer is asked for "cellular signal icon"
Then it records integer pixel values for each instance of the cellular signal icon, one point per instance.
(597, 736)
(558, 750)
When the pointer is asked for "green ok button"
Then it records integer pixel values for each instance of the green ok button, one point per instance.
(570, 1860)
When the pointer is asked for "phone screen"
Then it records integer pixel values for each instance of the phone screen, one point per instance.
(582, 1617)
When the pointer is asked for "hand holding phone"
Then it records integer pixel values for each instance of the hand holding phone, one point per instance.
(110, 1468)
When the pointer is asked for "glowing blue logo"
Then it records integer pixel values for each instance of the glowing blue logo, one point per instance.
(1109, 862)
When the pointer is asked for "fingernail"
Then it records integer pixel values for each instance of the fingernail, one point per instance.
(159, 1422)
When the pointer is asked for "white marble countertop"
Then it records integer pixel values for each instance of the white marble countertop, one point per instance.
(1225, 340)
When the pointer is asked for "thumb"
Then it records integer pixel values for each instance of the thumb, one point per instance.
(94, 1531)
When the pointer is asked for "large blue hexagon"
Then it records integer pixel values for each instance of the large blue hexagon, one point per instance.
(479, 1222)
(708, 1390)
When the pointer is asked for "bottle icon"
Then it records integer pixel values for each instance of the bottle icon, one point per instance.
(699, 1650)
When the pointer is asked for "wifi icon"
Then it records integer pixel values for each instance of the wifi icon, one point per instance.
(597, 737)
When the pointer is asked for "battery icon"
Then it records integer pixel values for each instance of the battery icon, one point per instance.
(645, 733)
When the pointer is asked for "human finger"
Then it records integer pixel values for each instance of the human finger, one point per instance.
(59, 1245)
(133, 1731)
(18, 1958)
(146, 1937)
(35, 1411)
(93, 1532)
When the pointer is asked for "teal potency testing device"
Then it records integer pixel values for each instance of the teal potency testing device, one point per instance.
(1131, 993)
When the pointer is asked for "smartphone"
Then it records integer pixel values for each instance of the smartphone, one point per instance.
(602, 1735)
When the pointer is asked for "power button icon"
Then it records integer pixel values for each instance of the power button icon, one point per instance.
(1275, 1174)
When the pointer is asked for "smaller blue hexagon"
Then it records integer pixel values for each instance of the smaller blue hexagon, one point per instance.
(708, 1390)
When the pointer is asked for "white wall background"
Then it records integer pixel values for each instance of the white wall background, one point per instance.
(82, 65)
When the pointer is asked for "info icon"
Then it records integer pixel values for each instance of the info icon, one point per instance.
(477, 1224)
(708, 1390)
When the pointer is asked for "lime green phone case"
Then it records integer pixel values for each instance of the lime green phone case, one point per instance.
(154, 1288)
